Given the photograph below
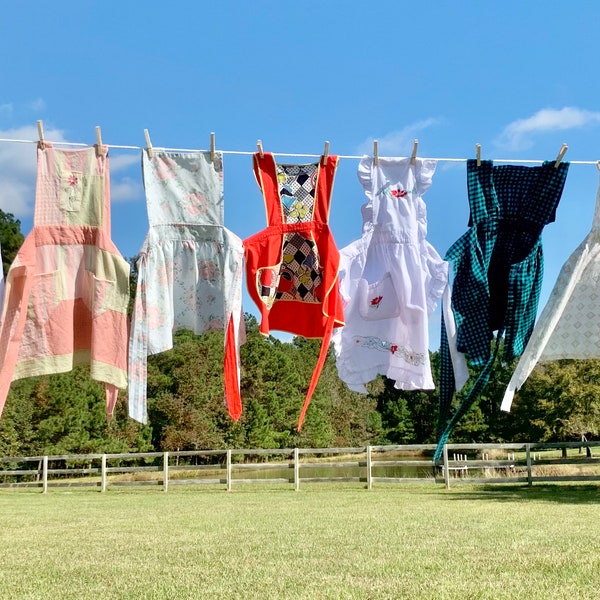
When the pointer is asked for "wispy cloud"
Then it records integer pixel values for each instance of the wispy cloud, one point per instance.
(396, 143)
(126, 189)
(122, 162)
(519, 134)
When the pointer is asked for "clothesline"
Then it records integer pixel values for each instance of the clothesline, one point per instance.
(295, 154)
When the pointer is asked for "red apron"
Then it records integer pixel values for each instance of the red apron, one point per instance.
(292, 264)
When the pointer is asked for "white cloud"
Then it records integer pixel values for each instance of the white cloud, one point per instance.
(126, 189)
(396, 143)
(124, 161)
(518, 135)
(16, 196)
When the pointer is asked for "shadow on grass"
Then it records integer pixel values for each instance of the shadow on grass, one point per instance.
(564, 494)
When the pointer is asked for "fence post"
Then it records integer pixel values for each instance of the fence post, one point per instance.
(369, 473)
(296, 470)
(228, 470)
(103, 473)
(528, 451)
(45, 475)
(446, 467)
(166, 472)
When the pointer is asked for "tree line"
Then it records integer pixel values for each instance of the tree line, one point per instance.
(65, 414)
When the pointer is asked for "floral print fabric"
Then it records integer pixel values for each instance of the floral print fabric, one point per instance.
(189, 268)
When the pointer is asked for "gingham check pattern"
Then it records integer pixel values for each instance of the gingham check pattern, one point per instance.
(498, 267)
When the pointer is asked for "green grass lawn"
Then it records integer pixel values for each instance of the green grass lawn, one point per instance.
(326, 541)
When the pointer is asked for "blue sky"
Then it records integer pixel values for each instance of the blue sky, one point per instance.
(520, 78)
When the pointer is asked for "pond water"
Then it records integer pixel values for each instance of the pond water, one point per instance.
(319, 471)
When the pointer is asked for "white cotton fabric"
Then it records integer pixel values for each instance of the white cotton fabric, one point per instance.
(569, 326)
(390, 279)
(459, 359)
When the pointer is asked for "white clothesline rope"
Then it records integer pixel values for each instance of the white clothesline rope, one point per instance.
(295, 154)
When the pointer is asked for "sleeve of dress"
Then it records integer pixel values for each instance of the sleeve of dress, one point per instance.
(568, 277)
(138, 348)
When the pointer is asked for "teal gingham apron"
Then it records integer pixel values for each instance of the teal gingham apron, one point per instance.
(498, 267)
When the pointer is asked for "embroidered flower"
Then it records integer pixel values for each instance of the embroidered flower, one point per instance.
(376, 301)
(393, 348)
(72, 180)
(399, 193)
(298, 210)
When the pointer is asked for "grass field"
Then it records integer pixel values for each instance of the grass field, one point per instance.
(329, 541)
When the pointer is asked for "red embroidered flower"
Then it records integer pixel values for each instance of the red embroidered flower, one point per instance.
(394, 349)
(72, 180)
(399, 193)
(375, 301)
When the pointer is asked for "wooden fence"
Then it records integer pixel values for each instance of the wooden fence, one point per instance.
(525, 463)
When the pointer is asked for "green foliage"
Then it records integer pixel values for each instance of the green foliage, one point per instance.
(64, 414)
(11, 239)
(560, 401)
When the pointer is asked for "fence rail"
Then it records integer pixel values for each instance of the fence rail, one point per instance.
(527, 463)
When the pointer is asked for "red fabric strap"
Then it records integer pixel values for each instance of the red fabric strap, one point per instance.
(318, 368)
(233, 397)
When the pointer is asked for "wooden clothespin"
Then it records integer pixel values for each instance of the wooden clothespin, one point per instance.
(562, 152)
(99, 146)
(375, 152)
(413, 156)
(478, 154)
(40, 128)
(260, 148)
(149, 148)
(212, 146)
(325, 153)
